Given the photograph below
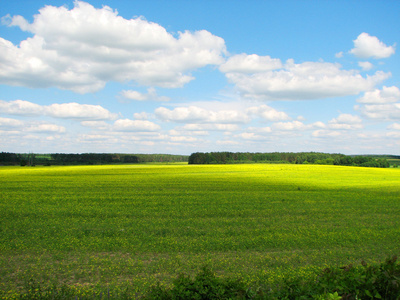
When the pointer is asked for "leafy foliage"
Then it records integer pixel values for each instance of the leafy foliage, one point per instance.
(287, 157)
(366, 282)
(204, 286)
(85, 158)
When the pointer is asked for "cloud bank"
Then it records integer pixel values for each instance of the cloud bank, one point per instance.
(83, 48)
(65, 110)
(291, 81)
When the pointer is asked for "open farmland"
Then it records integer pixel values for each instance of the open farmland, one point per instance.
(112, 227)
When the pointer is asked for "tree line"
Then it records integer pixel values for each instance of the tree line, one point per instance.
(287, 157)
(31, 159)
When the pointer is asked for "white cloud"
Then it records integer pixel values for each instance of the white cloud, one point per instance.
(211, 127)
(243, 63)
(20, 107)
(79, 111)
(308, 80)
(325, 133)
(7, 123)
(83, 48)
(346, 122)
(101, 125)
(380, 104)
(38, 127)
(181, 131)
(191, 114)
(385, 112)
(366, 46)
(346, 119)
(96, 137)
(268, 113)
(339, 54)
(134, 95)
(365, 65)
(260, 129)
(290, 126)
(194, 114)
(250, 136)
(183, 139)
(135, 125)
(64, 110)
(395, 126)
(46, 128)
(393, 134)
(141, 116)
(137, 96)
(386, 95)
(318, 124)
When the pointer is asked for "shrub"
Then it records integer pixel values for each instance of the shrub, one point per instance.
(365, 282)
(204, 286)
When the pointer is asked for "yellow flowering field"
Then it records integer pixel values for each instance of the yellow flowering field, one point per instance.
(126, 227)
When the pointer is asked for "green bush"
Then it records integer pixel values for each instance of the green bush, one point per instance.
(366, 282)
(204, 286)
(363, 282)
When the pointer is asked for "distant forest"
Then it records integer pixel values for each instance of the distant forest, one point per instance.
(32, 159)
(294, 158)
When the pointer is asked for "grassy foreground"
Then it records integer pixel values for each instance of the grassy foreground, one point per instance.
(112, 228)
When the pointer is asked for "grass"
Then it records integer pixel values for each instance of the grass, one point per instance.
(102, 228)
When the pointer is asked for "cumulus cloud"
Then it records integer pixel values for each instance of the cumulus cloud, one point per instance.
(96, 124)
(366, 46)
(259, 129)
(194, 114)
(290, 126)
(46, 128)
(182, 131)
(64, 110)
(346, 121)
(243, 63)
(326, 133)
(339, 54)
(183, 139)
(141, 116)
(7, 123)
(250, 136)
(385, 112)
(381, 104)
(365, 65)
(20, 107)
(386, 95)
(308, 80)
(151, 95)
(83, 48)
(395, 126)
(211, 127)
(79, 111)
(135, 125)
(268, 113)
(13, 124)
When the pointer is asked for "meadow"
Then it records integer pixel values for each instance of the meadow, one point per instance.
(126, 227)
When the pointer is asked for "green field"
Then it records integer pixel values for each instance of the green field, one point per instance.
(111, 227)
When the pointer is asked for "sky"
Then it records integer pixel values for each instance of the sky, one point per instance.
(177, 77)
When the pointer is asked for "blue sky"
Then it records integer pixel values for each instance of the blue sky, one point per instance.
(185, 76)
